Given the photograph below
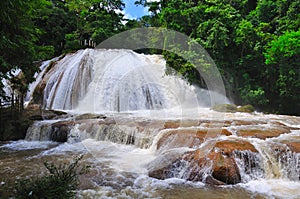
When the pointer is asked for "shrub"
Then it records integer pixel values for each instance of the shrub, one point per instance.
(62, 182)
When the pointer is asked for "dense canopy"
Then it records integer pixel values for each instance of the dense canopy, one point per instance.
(255, 44)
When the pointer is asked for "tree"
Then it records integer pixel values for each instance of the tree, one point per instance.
(283, 64)
(240, 36)
(18, 37)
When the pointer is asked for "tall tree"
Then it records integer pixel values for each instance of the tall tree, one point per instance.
(242, 37)
(18, 37)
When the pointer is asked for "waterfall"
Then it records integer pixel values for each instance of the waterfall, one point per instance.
(144, 129)
(113, 80)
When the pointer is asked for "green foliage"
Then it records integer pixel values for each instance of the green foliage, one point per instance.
(35, 30)
(62, 182)
(254, 95)
(283, 61)
(285, 47)
(255, 45)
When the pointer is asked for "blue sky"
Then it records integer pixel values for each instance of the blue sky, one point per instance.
(132, 11)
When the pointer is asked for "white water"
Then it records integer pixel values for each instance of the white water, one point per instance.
(116, 80)
(123, 147)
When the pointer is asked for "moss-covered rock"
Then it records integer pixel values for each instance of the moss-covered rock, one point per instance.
(231, 108)
(246, 108)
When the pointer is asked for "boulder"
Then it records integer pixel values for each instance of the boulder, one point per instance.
(246, 108)
(217, 167)
(225, 169)
(230, 108)
(61, 130)
(229, 146)
(89, 116)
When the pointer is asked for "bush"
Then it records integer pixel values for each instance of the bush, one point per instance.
(60, 183)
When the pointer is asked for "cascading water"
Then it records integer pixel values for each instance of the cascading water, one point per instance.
(113, 80)
(143, 138)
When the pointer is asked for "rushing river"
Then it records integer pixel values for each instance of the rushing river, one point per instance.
(120, 170)
(147, 135)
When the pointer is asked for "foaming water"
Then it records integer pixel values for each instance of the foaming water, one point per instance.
(274, 188)
(28, 145)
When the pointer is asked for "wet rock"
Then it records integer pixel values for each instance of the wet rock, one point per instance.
(36, 117)
(229, 146)
(189, 137)
(262, 133)
(229, 108)
(180, 123)
(172, 124)
(246, 108)
(225, 169)
(34, 112)
(212, 181)
(162, 173)
(217, 167)
(294, 146)
(61, 130)
(89, 116)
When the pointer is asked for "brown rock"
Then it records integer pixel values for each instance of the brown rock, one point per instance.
(172, 124)
(188, 137)
(180, 123)
(225, 169)
(262, 133)
(220, 159)
(228, 146)
(294, 146)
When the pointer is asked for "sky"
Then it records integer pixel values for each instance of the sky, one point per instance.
(132, 11)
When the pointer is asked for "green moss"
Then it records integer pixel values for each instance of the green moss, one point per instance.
(247, 108)
(231, 108)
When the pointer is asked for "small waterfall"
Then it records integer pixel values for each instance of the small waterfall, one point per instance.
(249, 164)
(39, 131)
(76, 131)
(273, 161)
